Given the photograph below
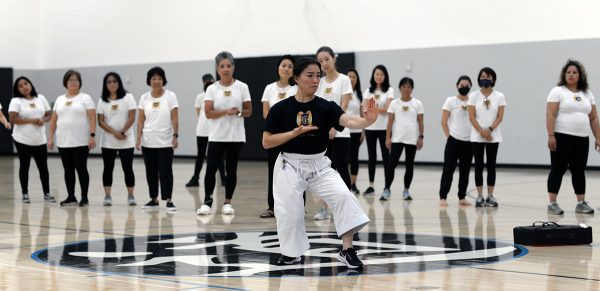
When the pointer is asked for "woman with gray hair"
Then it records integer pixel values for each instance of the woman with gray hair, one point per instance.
(226, 103)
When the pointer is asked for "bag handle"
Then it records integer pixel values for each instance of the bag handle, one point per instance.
(545, 223)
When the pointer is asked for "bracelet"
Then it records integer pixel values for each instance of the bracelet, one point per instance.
(93, 134)
(421, 136)
(551, 135)
(491, 129)
(176, 135)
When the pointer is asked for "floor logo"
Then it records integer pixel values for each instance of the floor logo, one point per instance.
(223, 254)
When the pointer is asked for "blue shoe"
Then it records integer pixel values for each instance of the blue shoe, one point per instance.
(406, 195)
(385, 195)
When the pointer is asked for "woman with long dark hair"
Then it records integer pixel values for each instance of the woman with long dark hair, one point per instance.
(29, 112)
(116, 114)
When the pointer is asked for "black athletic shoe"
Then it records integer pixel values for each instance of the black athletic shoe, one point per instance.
(354, 190)
(171, 206)
(369, 191)
(193, 182)
(84, 202)
(349, 258)
(150, 205)
(70, 201)
(285, 260)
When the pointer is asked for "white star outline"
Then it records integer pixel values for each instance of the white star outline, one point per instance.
(253, 241)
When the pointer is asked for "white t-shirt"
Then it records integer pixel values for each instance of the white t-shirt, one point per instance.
(334, 92)
(406, 127)
(29, 134)
(73, 125)
(573, 111)
(116, 114)
(227, 128)
(354, 110)
(274, 93)
(458, 122)
(203, 123)
(486, 115)
(380, 99)
(158, 128)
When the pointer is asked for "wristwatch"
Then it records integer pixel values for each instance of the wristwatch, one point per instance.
(176, 135)
(93, 134)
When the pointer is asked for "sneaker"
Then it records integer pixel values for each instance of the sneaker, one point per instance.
(171, 206)
(25, 198)
(583, 207)
(349, 258)
(204, 210)
(385, 195)
(285, 260)
(354, 190)
(192, 183)
(267, 214)
(323, 214)
(49, 198)
(553, 208)
(107, 201)
(131, 200)
(480, 202)
(406, 195)
(83, 202)
(369, 191)
(491, 201)
(227, 210)
(70, 201)
(150, 205)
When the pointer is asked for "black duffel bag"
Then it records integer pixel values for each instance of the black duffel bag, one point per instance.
(551, 234)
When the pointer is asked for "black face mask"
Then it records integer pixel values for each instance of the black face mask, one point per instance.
(485, 83)
(464, 90)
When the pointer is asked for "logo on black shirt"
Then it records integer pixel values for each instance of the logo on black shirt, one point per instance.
(304, 119)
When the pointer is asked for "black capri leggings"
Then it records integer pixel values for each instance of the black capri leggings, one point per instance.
(341, 153)
(159, 167)
(126, 157)
(461, 152)
(372, 136)
(40, 156)
(397, 148)
(572, 153)
(491, 151)
(201, 144)
(354, 147)
(215, 153)
(75, 159)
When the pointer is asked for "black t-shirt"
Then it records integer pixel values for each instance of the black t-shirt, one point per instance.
(289, 113)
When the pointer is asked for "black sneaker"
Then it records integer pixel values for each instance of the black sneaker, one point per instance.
(285, 260)
(491, 201)
(150, 205)
(70, 201)
(193, 182)
(84, 202)
(354, 190)
(480, 202)
(171, 206)
(369, 191)
(267, 214)
(349, 258)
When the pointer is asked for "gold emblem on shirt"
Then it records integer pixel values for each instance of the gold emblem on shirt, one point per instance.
(68, 103)
(577, 98)
(227, 93)
(329, 90)
(156, 105)
(281, 95)
(115, 107)
(405, 108)
(486, 102)
(32, 105)
(464, 107)
(376, 96)
(304, 119)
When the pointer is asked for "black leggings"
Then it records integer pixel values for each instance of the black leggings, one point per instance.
(340, 153)
(201, 144)
(159, 167)
(572, 153)
(491, 151)
(215, 153)
(354, 147)
(272, 155)
(397, 148)
(40, 156)
(372, 136)
(75, 159)
(456, 151)
(126, 157)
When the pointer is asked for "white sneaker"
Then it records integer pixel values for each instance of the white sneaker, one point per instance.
(107, 201)
(323, 214)
(204, 210)
(227, 210)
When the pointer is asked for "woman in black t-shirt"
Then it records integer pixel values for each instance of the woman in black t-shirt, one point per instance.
(300, 126)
